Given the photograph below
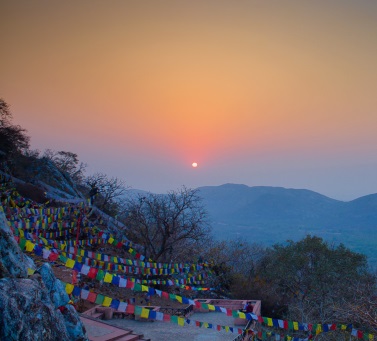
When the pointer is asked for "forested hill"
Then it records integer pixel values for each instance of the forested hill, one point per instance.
(274, 214)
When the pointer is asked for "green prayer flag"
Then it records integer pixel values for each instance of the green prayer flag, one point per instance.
(22, 243)
(100, 275)
(99, 299)
(138, 310)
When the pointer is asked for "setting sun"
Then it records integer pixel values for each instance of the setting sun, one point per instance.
(194, 164)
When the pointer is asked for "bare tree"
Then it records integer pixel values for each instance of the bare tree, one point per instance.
(67, 162)
(106, 191)
(234, 263)
(5, 113)
(167, 226)
(13, 138)
(362, 308)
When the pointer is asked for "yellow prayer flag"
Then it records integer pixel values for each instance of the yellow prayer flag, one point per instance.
(371, 337)
(144, 288)
(70, 263)
(22, 234)
(241, 315)
(107, 301)
(178, 298)
(110, 241)
(29, 246)
(227, 329)
(181, 321)
(69, 288)
(30, 271)
(108, 278)
(319, 329)
(144, 313)
(269, 322)
(295, 325)
(343, 327)
(211, 307)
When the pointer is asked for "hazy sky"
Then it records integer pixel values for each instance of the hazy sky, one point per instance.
(276, 93)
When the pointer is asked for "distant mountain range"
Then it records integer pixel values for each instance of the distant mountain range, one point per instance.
(271, 215)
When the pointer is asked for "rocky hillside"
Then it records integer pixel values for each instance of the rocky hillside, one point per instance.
(32, 307)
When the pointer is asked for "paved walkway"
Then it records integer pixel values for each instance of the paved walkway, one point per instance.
(168, 331)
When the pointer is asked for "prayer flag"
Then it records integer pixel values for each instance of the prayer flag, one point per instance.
(106, 301)
(144, 313)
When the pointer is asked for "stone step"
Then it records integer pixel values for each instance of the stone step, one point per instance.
(126, 336)
(97, 315)
(129, 337)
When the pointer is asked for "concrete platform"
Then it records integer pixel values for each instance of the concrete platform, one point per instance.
(102, 331)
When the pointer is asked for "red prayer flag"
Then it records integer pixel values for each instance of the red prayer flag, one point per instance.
(92, 297)
(130, 285)
(74, 277)
(53, 257)
(92, 273)
(285, 324)
(130, 309)
(167, 318)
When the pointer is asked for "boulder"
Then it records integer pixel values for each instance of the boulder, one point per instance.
(34, 308)
(27, 313)
(13, 263)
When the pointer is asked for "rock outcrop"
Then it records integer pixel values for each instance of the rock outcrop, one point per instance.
(34, 308)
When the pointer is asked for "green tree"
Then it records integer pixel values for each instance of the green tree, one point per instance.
(314, 280)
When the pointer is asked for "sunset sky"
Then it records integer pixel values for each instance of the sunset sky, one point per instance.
(275, 93)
